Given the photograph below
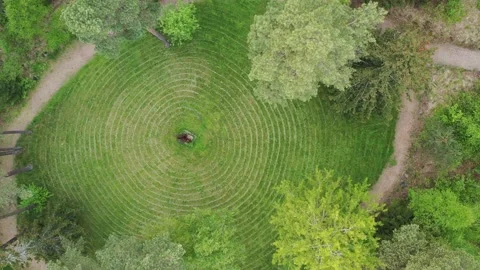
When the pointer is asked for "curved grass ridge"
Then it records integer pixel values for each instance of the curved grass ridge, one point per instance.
(108, 140)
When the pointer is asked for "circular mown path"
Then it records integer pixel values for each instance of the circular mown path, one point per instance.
(108, 140)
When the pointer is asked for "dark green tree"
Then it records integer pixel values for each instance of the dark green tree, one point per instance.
(396, 64)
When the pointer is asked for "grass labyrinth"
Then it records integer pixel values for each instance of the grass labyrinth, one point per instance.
(108, 139)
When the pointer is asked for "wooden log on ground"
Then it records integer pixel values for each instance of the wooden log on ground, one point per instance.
(17, 132)
(159, 36)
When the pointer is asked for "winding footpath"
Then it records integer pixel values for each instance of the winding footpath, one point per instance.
(78, 55)
(445, 54)
(67, 65)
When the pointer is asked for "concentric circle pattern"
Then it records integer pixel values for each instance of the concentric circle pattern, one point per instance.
(109, 141)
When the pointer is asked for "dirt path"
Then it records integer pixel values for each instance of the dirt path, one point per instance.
(451, 55)
(69, 63)
(445, 54)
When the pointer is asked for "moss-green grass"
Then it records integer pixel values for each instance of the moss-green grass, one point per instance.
(107, 140)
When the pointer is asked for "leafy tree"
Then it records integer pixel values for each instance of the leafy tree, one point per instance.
(179, 23)
(73, 258)
(440, 211)
(438, 256)
(209, 238)
(17, 255)
(135, 254)
(407, 241)
(298, 44)
(25, 17)
(325, 222)
(397, 63)
(109, 23)
(46, 230)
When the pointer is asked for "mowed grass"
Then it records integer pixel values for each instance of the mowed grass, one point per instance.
(108, 139)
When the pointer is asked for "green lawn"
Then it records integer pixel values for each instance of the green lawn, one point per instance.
(107, 140)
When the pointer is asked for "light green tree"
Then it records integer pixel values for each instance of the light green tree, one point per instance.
(131, 253)
(298, 44)
(440, 211)
(108, 23)
(179, 22)
(325, 222)
(407, 241)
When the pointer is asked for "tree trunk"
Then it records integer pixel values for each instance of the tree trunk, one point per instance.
(18, 211)
(159, 36)
(28, 168)
(17, 132)
(9, 242)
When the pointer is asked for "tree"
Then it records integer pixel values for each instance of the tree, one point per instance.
(440, 211)
(73, 258)
(179, 23)
(396, 64)
(298, 44)
(209, 238)
(109, 23)
(325, 222)
(25, 17)
(45, 230)
(438, 256)
(407, 241)
(31, 197)
(134, 254)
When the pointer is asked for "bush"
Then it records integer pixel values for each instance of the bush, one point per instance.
(179, 23)
(452, 135)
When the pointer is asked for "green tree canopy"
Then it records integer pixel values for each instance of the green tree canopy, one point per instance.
(131, 253)
(441, 257)
(325, 222)
(440, 211)
(407, 241)
(108, 23)
(179, 22)
(210, 240)
(298, 44)
(25, 17)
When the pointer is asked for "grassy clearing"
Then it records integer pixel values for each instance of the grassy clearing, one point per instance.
(108, 139)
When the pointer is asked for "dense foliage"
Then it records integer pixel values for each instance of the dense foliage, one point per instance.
(45, 230)
(298, 44)
(109, 23)
(30, 32)
(33, 195)
(452, 135)
(179, 23)
(123, 252)
(334, 228)
(210, 240)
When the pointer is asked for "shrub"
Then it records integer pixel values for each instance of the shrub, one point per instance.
(33, 195)
(179, 23)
